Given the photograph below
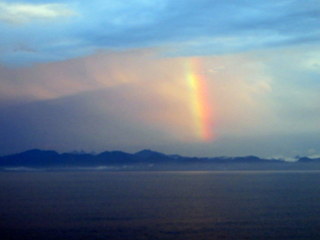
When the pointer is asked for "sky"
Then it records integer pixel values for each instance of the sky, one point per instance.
(192, 77)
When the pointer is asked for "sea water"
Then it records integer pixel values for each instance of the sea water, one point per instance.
(160, 205)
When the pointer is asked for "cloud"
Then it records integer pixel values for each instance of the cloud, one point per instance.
(245, 89)
(21, 13)
(188, 28)
(263, 102)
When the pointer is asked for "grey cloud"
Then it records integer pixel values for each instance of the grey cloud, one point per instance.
(96, 120)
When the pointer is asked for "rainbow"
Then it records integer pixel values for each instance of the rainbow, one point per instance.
(200, 105)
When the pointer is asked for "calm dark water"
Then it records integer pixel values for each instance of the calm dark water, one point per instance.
(160, 205)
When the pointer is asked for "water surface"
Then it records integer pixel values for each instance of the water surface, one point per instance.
(160, 205)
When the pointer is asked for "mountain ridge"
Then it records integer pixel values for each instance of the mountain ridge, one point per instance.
(37, 158)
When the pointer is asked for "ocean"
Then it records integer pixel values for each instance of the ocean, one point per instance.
(186, 205)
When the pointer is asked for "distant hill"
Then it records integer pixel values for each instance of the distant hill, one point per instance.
(307, 159)
(145, 159)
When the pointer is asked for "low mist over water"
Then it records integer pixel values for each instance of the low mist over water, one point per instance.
(160, 205)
